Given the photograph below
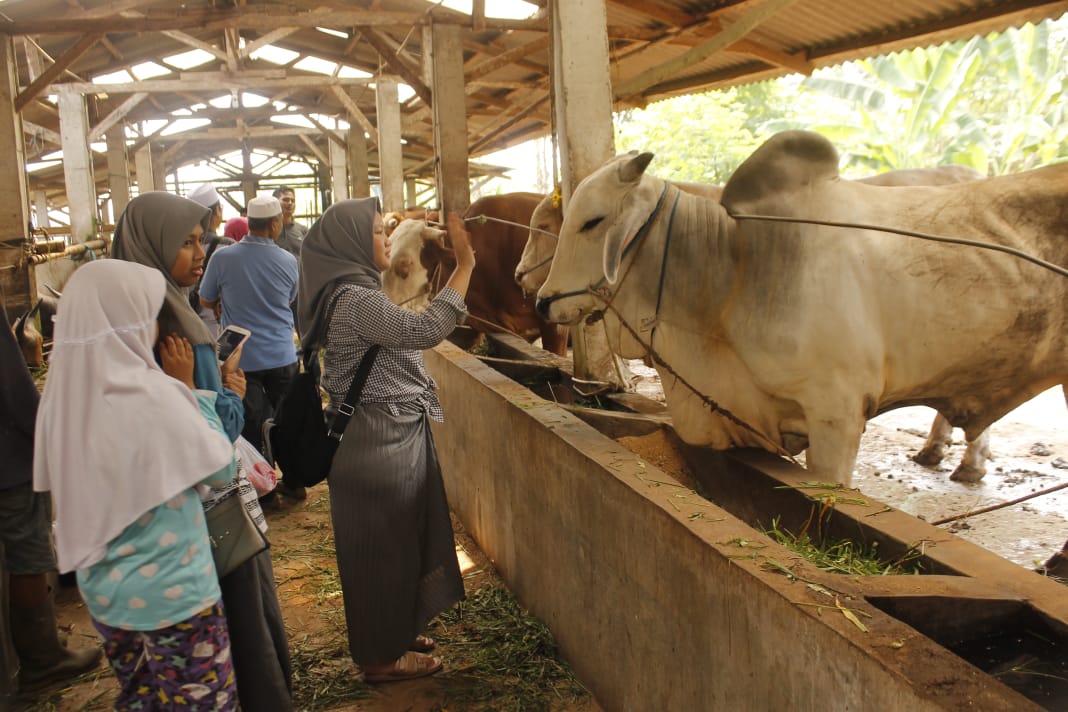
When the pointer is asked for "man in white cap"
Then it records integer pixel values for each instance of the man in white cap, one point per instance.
(206, 195)
(255, 282)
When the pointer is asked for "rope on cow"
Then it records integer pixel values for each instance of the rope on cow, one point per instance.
(711, 403)
(911, 233)
(483, 219)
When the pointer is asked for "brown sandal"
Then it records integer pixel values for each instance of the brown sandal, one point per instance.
(422, 644)
(409, 666)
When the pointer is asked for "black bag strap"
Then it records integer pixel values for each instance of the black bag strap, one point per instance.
(346, 409)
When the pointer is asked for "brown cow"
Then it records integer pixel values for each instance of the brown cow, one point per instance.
(30, 340)
(495, 302)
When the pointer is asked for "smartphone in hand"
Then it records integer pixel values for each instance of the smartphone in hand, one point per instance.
(229, 340)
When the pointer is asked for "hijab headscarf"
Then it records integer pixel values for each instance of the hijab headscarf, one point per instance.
(339, 247)
(150, 232)
(115, 435)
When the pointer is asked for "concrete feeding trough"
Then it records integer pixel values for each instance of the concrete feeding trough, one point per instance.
(663, 599)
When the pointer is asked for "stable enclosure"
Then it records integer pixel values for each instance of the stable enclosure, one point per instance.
(662, 599)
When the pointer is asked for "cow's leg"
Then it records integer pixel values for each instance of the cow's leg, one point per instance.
(938, 440)
(833, 446)
(1057, 565)
(972, 466)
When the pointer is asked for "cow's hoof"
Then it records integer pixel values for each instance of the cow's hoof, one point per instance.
(929, 456)
(967, 473)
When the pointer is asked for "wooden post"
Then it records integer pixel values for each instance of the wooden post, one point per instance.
(450, 118)
(358, 167)
(77, 164)
(118, 169)
(248, 184)
(146, 179)
(390, 158)
(582, 87)
(339, 175)
(16, 279)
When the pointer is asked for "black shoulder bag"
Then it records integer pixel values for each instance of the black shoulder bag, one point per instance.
(300, 441)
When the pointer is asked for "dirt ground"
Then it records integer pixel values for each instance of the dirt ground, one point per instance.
(324, 676)
(1030, 447)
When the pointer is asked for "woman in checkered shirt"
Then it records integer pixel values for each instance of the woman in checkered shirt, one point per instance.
(393, 539)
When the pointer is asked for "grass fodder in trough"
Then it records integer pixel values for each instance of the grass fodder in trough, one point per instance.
(845, 556)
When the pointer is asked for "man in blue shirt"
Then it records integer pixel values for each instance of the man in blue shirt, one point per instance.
(255, 281)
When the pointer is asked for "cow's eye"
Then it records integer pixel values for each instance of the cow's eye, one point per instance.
(590, 224)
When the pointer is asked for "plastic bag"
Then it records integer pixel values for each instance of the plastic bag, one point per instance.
(254, 467)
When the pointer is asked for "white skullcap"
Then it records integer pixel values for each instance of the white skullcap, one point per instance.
(264, 206)
(204, 194)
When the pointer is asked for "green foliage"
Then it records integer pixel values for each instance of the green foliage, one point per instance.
(993, 103)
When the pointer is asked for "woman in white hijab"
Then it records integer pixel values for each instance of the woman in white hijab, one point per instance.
(113, 445)
(162, 231)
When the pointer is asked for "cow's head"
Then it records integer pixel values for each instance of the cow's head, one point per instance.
(416, 251)
(603, 216)
(545, 223)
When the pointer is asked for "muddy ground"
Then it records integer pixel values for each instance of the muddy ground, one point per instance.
(1030, 447)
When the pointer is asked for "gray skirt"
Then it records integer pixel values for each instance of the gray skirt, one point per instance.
(395, 550)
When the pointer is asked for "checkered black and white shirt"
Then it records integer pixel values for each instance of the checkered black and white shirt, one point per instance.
(363, 317)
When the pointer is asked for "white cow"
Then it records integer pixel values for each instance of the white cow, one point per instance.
(802, 331)
(548, 217)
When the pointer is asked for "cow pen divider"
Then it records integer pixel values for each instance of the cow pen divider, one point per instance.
(663, 600)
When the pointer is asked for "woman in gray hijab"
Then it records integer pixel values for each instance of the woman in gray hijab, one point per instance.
(156, 230)
(163, 231)
(395, 549)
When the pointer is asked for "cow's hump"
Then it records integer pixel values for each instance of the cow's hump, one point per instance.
(788, 161)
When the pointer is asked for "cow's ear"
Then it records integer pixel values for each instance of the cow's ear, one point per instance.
(614, 243)
(432, 233)
(633, 169)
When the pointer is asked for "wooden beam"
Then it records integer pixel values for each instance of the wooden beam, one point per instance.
(505, 58)
(737, 31)
(255, 18)
(115, 116)
(35, 130)
(264, 40)
(214, 81)
(395, 62)
(478, 15)
(83, 45)
(196, 44)
(314, 149)
(658, 11)
(326, 131)
(355, 114)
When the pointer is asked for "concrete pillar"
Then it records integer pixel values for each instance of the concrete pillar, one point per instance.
(390, 158)
(411, 191)
(339, 174)
(358, 166)
(146, 179)
(16, 280)
(450, 118)
(77, 164)
(118, 169)
(582, 87)
(40, 209)
(248, 184)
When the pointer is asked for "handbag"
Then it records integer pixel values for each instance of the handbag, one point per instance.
(234, 537)
(299, 439)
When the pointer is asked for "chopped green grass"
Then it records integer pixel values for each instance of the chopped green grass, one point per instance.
(501, 658)
(844, 556)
